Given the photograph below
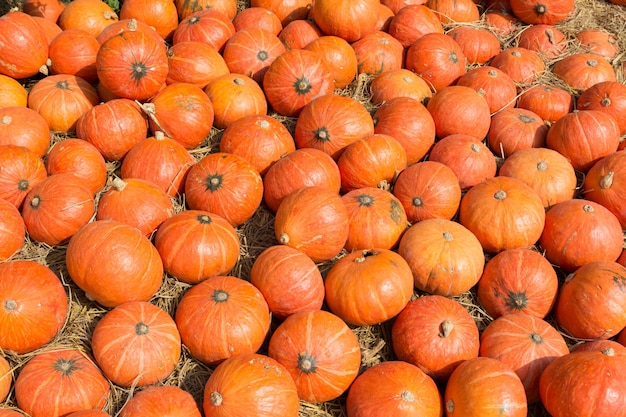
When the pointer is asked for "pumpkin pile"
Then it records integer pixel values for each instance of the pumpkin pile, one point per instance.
(312, 208)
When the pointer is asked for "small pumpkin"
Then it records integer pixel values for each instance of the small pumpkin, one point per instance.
(259, 17)
(513, 129)
(604, 184)
(582, 70)
(22, 126)
(194, 62)
(185, 7)
(521, 64)
(608, 97)
(399, 83)
(162, 15)
(48, 9)
(378, 52)
(79, 158)
(414, 21)
(479, 45)
(547, 40)
(542, 12)
(348, 19)
(20, 171)
(494, 85)
(599, 42)
(299, 33)
(6, 379)
(74, 51)
(250, 99)
(339, 55)
(208, 26)
(286, 12)
(548, 102)
(12, 230)
(92, 16)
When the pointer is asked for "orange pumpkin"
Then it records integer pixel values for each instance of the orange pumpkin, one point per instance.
(25, 46)
(12, 93)
(222, 317)
(24, 127)
(12, 230)
(319, 351)
(459, 109)
(250, 99)
(604, 184)
(414, 21)
(548, 102)
(582, 70)
(34, 307)
(339, 55)
(378, 52)
(608, 97)
(493, 84)
(48, 9)
(542, 12)
(522, 65)
(194, 62)
(186, 7)
(6, 380)
(208, 26)
(123, 25)
(74, 51)
(299, 33)
(399, 83)
(286, 11)
(599, 42)
(161, 400)
(259, 17)
(92, 16)
(347, 19)
(21, 171)
(513, 129)
(161, 15)
(479, 45)
(80, 158)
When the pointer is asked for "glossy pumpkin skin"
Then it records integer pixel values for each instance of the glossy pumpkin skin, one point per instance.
(394, 387)
(350, 20)
(399, 82)
(526, 344)
(20, 171)
(378, 52)
(136, 344)
(250, 383)
(339, 55)
(597, 230)
(124, 25)
(57, 207)
(436, 334)
(222, 317)
(454, 11)
(304, 167)
(187, 7)
(90, 15)
(389, 288)
(319, 351)
(12, 230)
(161, 400)
(596, 287)
(250, 99)
(503, 213)
(80, 158)
(608, 97)
(542, 12)
(22, 126)
(224, 184)
(34, 303)
(111, 245)
(566, 390)
(25, 48)
(484, 387)
(60, 381)
(195, 245)
(548, 102)
(445, 257)
(547, 40)
(294, 79)
(513, 129)
(604, 184)
(518, 281)
(313, 220)
(459, 109)
(194, 62)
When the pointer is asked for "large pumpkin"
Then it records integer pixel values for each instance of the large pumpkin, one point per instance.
(136, 344)
(161, 400)
(378, 52)
(12, 230)
(162, 15)
(114, 263)
(34, 305)
(319, 351)
(522, 65)
(413, 21)
(222, 317)
(25, 47)
(347, 19)
(581, 71)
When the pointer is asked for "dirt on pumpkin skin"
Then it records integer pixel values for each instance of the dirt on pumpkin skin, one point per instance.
(258, 233)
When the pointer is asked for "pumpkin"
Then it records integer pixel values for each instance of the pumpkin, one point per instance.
(412, 22)
(478, 45)
(60, 381)
(502, 21)
(550, 103)
(187, 7)
(445, 257)
(224, 184)
(582, 70)
(194, 62)
(376, 219)
(542, 12)
(437, 58)
(597, 232)
(183, 112)
(73, 52)
(20, 171)
(493, 84)
(251, 51)
(299, 33)
(378, 52)
(132, 65)
(319, 351)
(24, 127)
(373, 161)
(61, 100)
(250, 383)
(136, 202)
(161, 15)
(394, 387)
(195, 245)
(513, 129)
(12, 230)
(208, 26)
(259, 17)
(397, 5)
(51, 29)
(6, 379)
(294, 79)
(313, 220)
(454, 11)
(503, 213)
(459, 109)
(484, 387)
(25, 46)
(161, 400)
(339, 55)
(331, 122)
(304, 167)
(599, 42)
(518, 281)
(409, 122)
(526, 344)
(222, 317)
(136, 344)
(92, 16)
(347, 19)
(124, 25)
(471, 160)
(259, 139)
(428, 190)
(288, 279)
(388, 290)
(250, 99)
(113, 262)
(79, 158)
(584, 137)
(34, 305)
(13, 94)
(88, 413)
(399, 83)
(547, 40)
(113, 127)
(160, 160)
(608, 97)
(286, 11)
(55, 208)
(590, 304)
(522, 65)
(436, 334)
(48, 9)
(570, 385)
(599, 345)
(604, 184)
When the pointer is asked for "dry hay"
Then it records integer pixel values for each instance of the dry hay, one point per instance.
(258, 234)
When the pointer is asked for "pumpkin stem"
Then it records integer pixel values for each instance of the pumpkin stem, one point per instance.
(450, 406)
(6, 120)
(23, 185)
(447, 236)
(264, 124)
(541, 9)
(65, 366)
(321, 134)
(219, 296)
(536, 338)
(542, 166)
(132, 25)
(365, 200)
(445, 328)
(607, 180)
(10, 305)
(475, 148)
(34, 203)
(284, 238)
(417, 202)
(204, 219)
(238, 81)
(262, 55)
(606, 101)
(588, 208)
(364, 254)
(608, 351)
(500, 195)
(550, 36)
(158, 135)
(141, 328)
(150, 110)
(592, 63)
(407, 396)
(119, 184)
(302, 86)
(307, 363)
(110, 15)
(44, 69)
(213, 182)
(216, 399)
